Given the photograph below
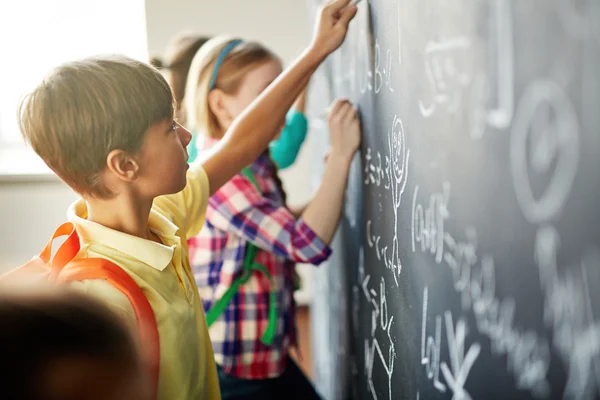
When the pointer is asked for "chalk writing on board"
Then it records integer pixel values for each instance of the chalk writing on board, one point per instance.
(374, 169)
(460, 364)
(457, 373)
(373, 241)
(383, 69)
(397, 171)
(461, 257)
(427, 227)
(546, 124)
(393, 176)
(381, 319)
(567, 309)
(430, 347)
(364, 281)
(501, 116)
(446, 80)
(528, 355)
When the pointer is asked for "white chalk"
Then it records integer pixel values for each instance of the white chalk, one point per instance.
(354, 2)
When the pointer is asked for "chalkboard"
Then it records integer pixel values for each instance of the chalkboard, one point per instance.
(470, 265)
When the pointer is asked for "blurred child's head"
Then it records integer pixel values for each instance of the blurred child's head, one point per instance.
(57, 345)
(105, 126)
(176, 64)
(245, 71)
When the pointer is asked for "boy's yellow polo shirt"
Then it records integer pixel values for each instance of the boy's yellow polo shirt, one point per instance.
(187, 366)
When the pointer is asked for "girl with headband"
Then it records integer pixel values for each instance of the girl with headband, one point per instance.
(176, 65)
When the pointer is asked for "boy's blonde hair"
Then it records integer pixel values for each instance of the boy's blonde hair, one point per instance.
(85, 109)
(241, 60)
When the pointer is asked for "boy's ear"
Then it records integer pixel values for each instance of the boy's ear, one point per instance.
(122, 165)
(218, 103)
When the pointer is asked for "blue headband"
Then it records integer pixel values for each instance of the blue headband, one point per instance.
(224, 52)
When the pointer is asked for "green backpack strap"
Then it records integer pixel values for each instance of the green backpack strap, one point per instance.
(250, 266)
(247, 172)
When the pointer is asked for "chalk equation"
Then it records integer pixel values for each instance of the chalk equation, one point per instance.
(427, 226)
(363, 66)
(446, 81)
(474, 279)
(456, 374)
(382, 320)
(383, 69)
(391, 173)
(568, 310)
(479, 98)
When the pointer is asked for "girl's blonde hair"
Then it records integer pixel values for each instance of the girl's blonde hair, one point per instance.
(242, 59)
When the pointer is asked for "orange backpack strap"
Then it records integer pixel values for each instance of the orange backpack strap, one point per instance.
(43, 267)
(66, 251)
(99, 268)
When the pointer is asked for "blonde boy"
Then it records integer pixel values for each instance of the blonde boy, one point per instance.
(105, 126)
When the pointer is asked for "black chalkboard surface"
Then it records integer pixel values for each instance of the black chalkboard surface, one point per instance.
(471, 237)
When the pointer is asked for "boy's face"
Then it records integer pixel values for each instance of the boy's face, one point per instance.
(163, 159)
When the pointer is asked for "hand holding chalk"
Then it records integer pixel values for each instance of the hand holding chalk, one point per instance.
(332, 26)
(344, 129)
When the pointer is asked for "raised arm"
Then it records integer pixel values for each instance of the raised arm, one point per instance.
(252, 131)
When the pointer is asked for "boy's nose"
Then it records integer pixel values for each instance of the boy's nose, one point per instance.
(184, 135)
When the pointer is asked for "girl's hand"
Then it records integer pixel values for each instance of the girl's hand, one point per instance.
(344, 130)
(332, 26)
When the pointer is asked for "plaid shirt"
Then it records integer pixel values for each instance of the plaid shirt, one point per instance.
(236, 214)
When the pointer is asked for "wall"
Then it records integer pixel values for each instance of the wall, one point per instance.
(30, 209)
(282, 25)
